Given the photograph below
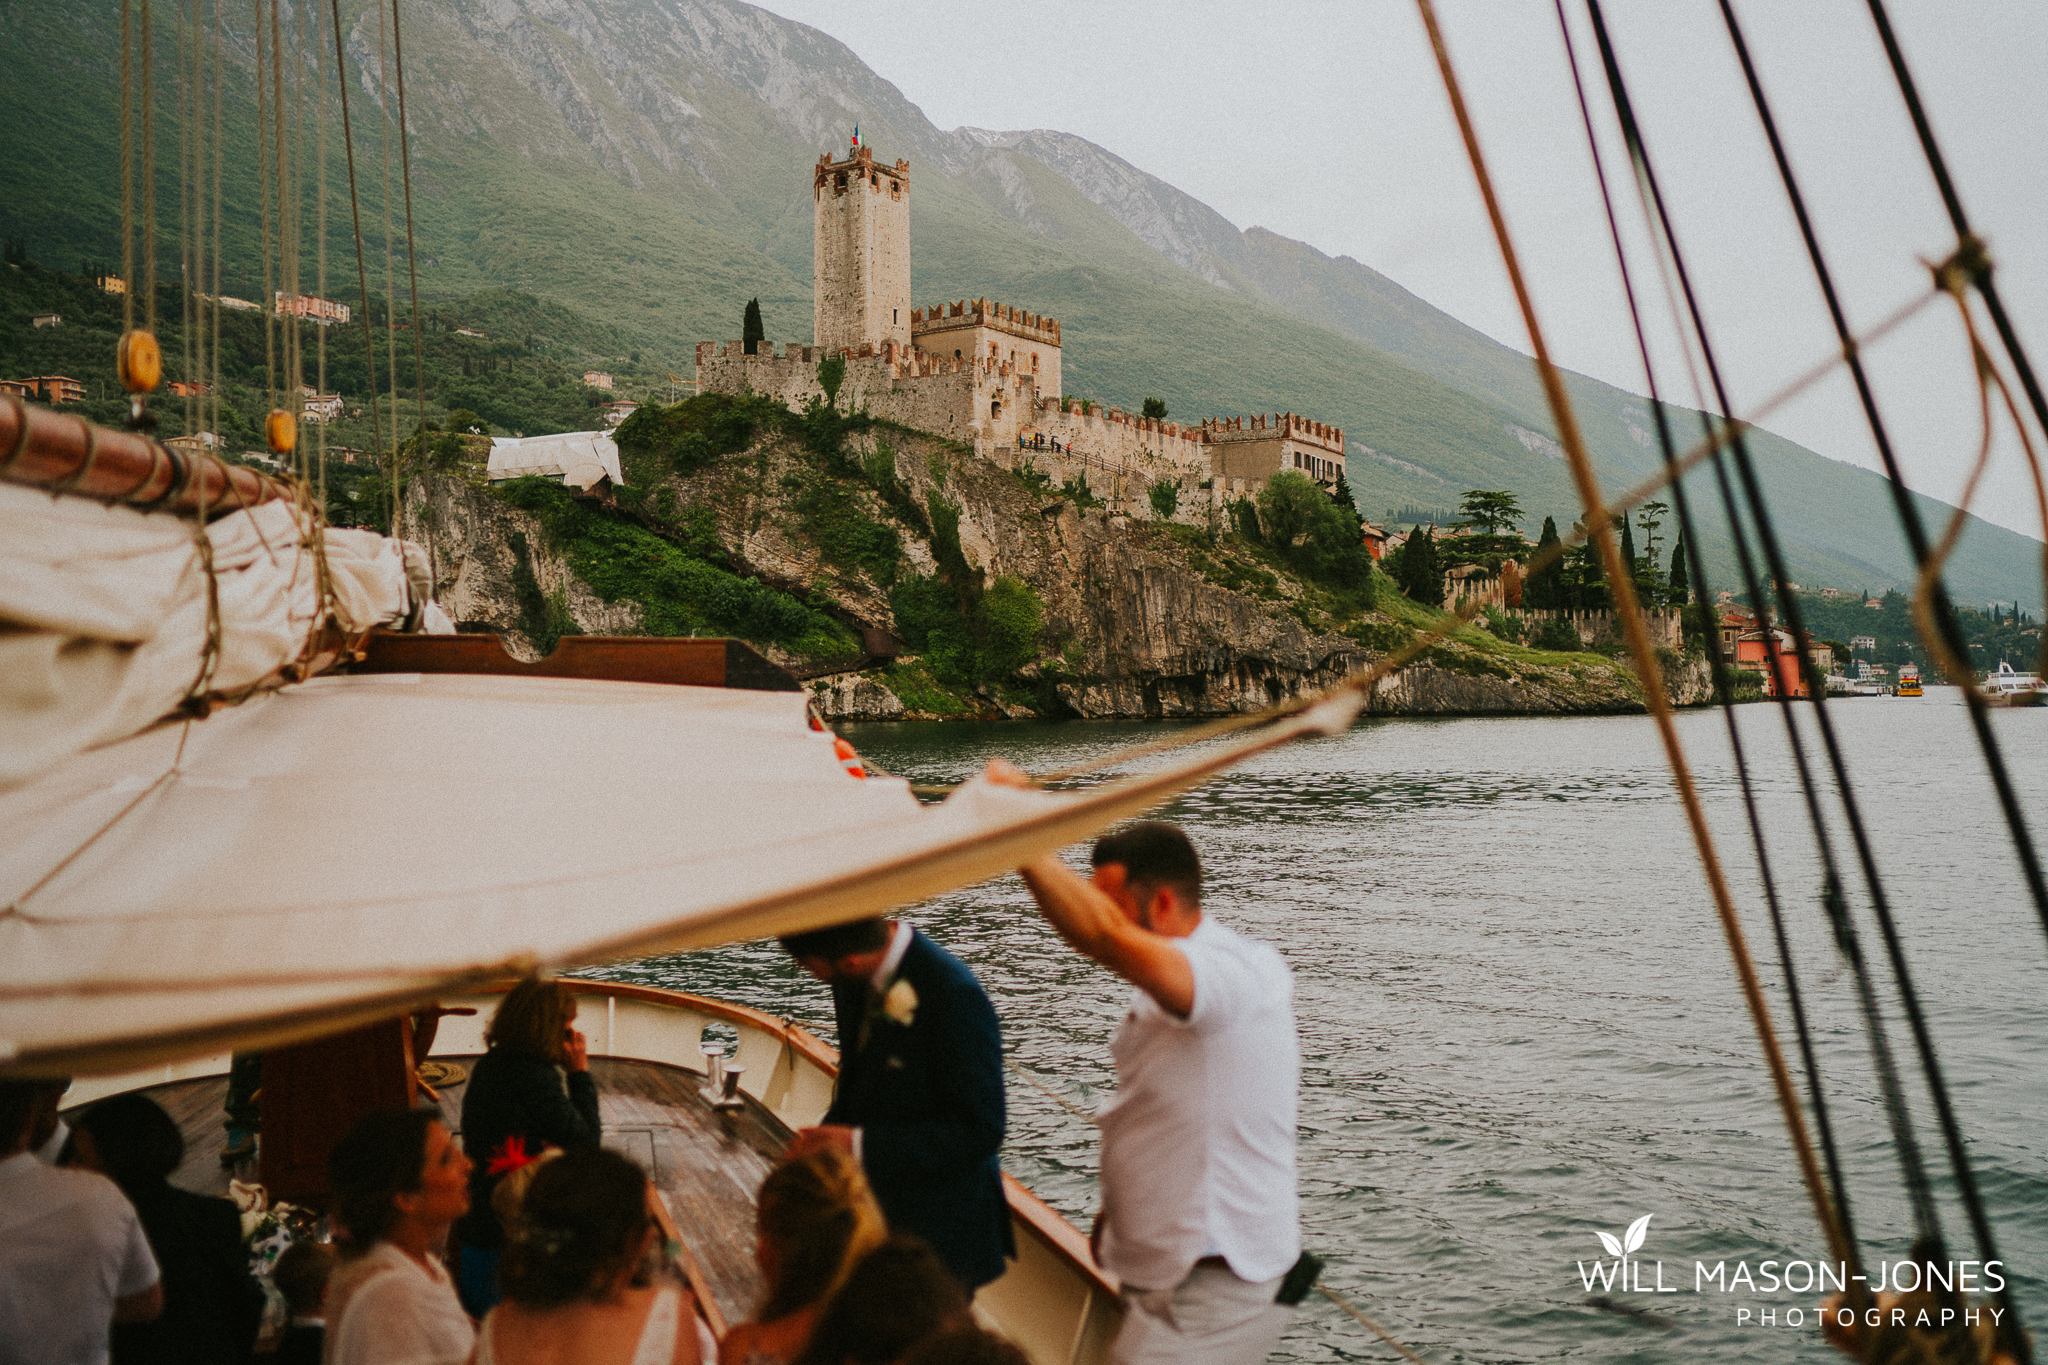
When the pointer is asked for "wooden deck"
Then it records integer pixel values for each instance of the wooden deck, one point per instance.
(707, 1164)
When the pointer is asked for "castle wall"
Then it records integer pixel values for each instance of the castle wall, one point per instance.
(988, 406)
(978, 329)
(1256, 448)
(861, 251)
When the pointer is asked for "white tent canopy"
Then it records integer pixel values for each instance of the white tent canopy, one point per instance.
(578, 458)
(342, 849)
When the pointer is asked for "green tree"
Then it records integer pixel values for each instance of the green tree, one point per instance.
(1154, 408)
(1421, 573)
(1681, 577)
(1165, 499)
(1312, 533)
(1629, 563)
(467, 422)
(831, 374)
(752, 333)
(1545, 589)
(1491, 509)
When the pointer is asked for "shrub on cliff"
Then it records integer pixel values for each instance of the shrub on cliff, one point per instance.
(1307, 528)
(984, 639)
(655, 441)
(1165, 499)
(678, 592)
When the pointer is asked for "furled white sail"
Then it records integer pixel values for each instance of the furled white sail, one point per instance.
(342, 848)
(106, 612)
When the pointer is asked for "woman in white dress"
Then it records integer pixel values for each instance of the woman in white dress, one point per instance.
(575, 1278)
(399, 1181)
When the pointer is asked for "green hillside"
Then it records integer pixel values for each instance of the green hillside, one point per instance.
(645, 168)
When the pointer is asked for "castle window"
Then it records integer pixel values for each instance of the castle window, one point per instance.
(956, 353)
(839, 182)
(995, 408)
(991, 350)
(1034, 364)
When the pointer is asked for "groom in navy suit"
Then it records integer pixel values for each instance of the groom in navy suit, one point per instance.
(920, 1094)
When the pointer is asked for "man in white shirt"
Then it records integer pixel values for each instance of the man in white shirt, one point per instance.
(1200, 1218)
(73, 1258)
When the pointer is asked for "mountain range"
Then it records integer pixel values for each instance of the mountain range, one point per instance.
(646, 164)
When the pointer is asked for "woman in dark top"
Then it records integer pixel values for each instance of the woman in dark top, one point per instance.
(517, 1104)
(212, 1303)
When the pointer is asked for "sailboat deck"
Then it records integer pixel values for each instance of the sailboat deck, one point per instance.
(707, 1164)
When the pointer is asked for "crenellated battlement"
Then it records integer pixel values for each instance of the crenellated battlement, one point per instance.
(1001, 317)
(1282, 425)
(860, 165)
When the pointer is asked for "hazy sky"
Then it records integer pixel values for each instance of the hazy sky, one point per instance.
(1325, 121)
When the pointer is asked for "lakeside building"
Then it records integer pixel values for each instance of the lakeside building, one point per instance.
(17, 388)
(309, 306)
(186, 388)
(598, 379)
(989, 374)
(320, 407)
(112, 284)
(54, 388)
(615, 413)
(198, 443)
(48, 320)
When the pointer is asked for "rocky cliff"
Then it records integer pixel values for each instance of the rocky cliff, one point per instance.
(1133, 618)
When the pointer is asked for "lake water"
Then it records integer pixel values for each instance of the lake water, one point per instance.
(1518, 1016)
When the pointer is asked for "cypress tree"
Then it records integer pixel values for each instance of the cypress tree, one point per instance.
(1629, 563)
(1542, 592)
(1424, 571)
(752, 333)
(1681, 580)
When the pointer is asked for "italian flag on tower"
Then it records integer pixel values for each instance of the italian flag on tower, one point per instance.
(856, 135)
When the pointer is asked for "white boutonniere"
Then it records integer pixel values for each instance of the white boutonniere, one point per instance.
(900, 1004)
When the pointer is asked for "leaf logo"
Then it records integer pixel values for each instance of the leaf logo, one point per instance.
(1629, 1240)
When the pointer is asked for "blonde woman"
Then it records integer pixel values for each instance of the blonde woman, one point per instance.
(529, 1091)
(817, 1219)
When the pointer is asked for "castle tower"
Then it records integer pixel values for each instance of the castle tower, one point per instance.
(861, 251)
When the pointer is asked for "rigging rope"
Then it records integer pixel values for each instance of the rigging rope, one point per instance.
(320, 247)
(127, 168)
(147, 40)
(390, 284)
(1789, 606)
(411, 254)
(1908, 513)
(1641, 652)
(355, 207)
(1832, 897)
(263, 196)
(1847, 1249)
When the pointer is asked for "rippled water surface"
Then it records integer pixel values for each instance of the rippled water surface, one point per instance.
(1519, 1020)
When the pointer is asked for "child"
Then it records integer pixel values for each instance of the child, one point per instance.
(301, 1276)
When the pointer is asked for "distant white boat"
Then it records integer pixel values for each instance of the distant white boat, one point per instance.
(2015, 688)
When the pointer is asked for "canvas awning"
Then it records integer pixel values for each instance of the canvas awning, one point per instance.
(347, 847)
(578, 458)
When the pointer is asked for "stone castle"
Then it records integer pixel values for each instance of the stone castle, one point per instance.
(987, 374)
